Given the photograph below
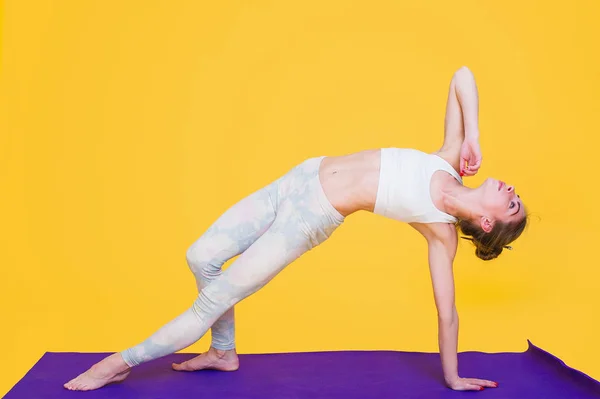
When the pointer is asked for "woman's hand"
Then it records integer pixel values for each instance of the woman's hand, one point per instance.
(471, 384)
(470, 157)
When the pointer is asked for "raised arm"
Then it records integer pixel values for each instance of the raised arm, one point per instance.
(461, 124)
(441, 258)
(468, 97)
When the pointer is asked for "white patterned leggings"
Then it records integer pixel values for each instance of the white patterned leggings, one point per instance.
(270, 229)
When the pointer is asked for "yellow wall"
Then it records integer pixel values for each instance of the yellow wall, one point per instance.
(128, 127)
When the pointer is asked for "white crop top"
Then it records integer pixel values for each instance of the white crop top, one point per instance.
(404, 186)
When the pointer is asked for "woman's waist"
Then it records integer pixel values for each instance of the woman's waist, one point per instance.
(351, 181)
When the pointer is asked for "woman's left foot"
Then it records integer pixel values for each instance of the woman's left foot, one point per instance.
(213, 359)
(111, 369)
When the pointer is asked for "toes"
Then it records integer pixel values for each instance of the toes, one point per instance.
(177, 366)
(75, 385)
(83, 386)
(185, 366)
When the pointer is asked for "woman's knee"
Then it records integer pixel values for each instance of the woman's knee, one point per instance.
(202, 263)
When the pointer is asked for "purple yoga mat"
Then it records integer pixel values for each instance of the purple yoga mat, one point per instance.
(347, 374)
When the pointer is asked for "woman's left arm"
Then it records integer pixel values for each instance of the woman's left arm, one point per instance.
(441, 258)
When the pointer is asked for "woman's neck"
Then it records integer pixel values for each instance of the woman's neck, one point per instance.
(460, 201)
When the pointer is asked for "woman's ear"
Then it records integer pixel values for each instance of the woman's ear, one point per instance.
(486, 224)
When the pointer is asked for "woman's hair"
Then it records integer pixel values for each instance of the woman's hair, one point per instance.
(490, 245)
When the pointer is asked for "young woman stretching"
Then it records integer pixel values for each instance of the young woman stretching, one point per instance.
(278, 223)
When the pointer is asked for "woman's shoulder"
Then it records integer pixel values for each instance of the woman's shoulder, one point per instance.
(443, 232)
(450, 156)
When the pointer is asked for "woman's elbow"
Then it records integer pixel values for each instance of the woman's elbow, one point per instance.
(449, 316)
(464, 74)
(464, 70)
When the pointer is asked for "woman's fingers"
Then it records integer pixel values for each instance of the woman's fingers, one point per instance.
(472, 384)
(483, 383)
(468, 171)
(472, 387)
(471, 168)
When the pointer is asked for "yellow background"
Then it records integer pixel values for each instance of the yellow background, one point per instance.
(127, 128)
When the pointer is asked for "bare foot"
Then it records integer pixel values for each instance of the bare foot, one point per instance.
(111, 369)
(213, 359)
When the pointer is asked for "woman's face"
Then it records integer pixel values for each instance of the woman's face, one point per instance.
(500, 201)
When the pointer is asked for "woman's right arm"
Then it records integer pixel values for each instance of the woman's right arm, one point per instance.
(468, 97)
(461, 122)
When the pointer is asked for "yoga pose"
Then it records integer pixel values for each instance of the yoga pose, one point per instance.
(275, 225)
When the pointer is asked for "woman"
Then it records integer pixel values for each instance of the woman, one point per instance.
(278, 223)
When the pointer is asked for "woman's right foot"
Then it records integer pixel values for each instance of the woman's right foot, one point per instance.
(213, 359)
(111, 369)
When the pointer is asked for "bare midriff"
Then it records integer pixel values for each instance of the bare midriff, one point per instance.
(350, 181)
